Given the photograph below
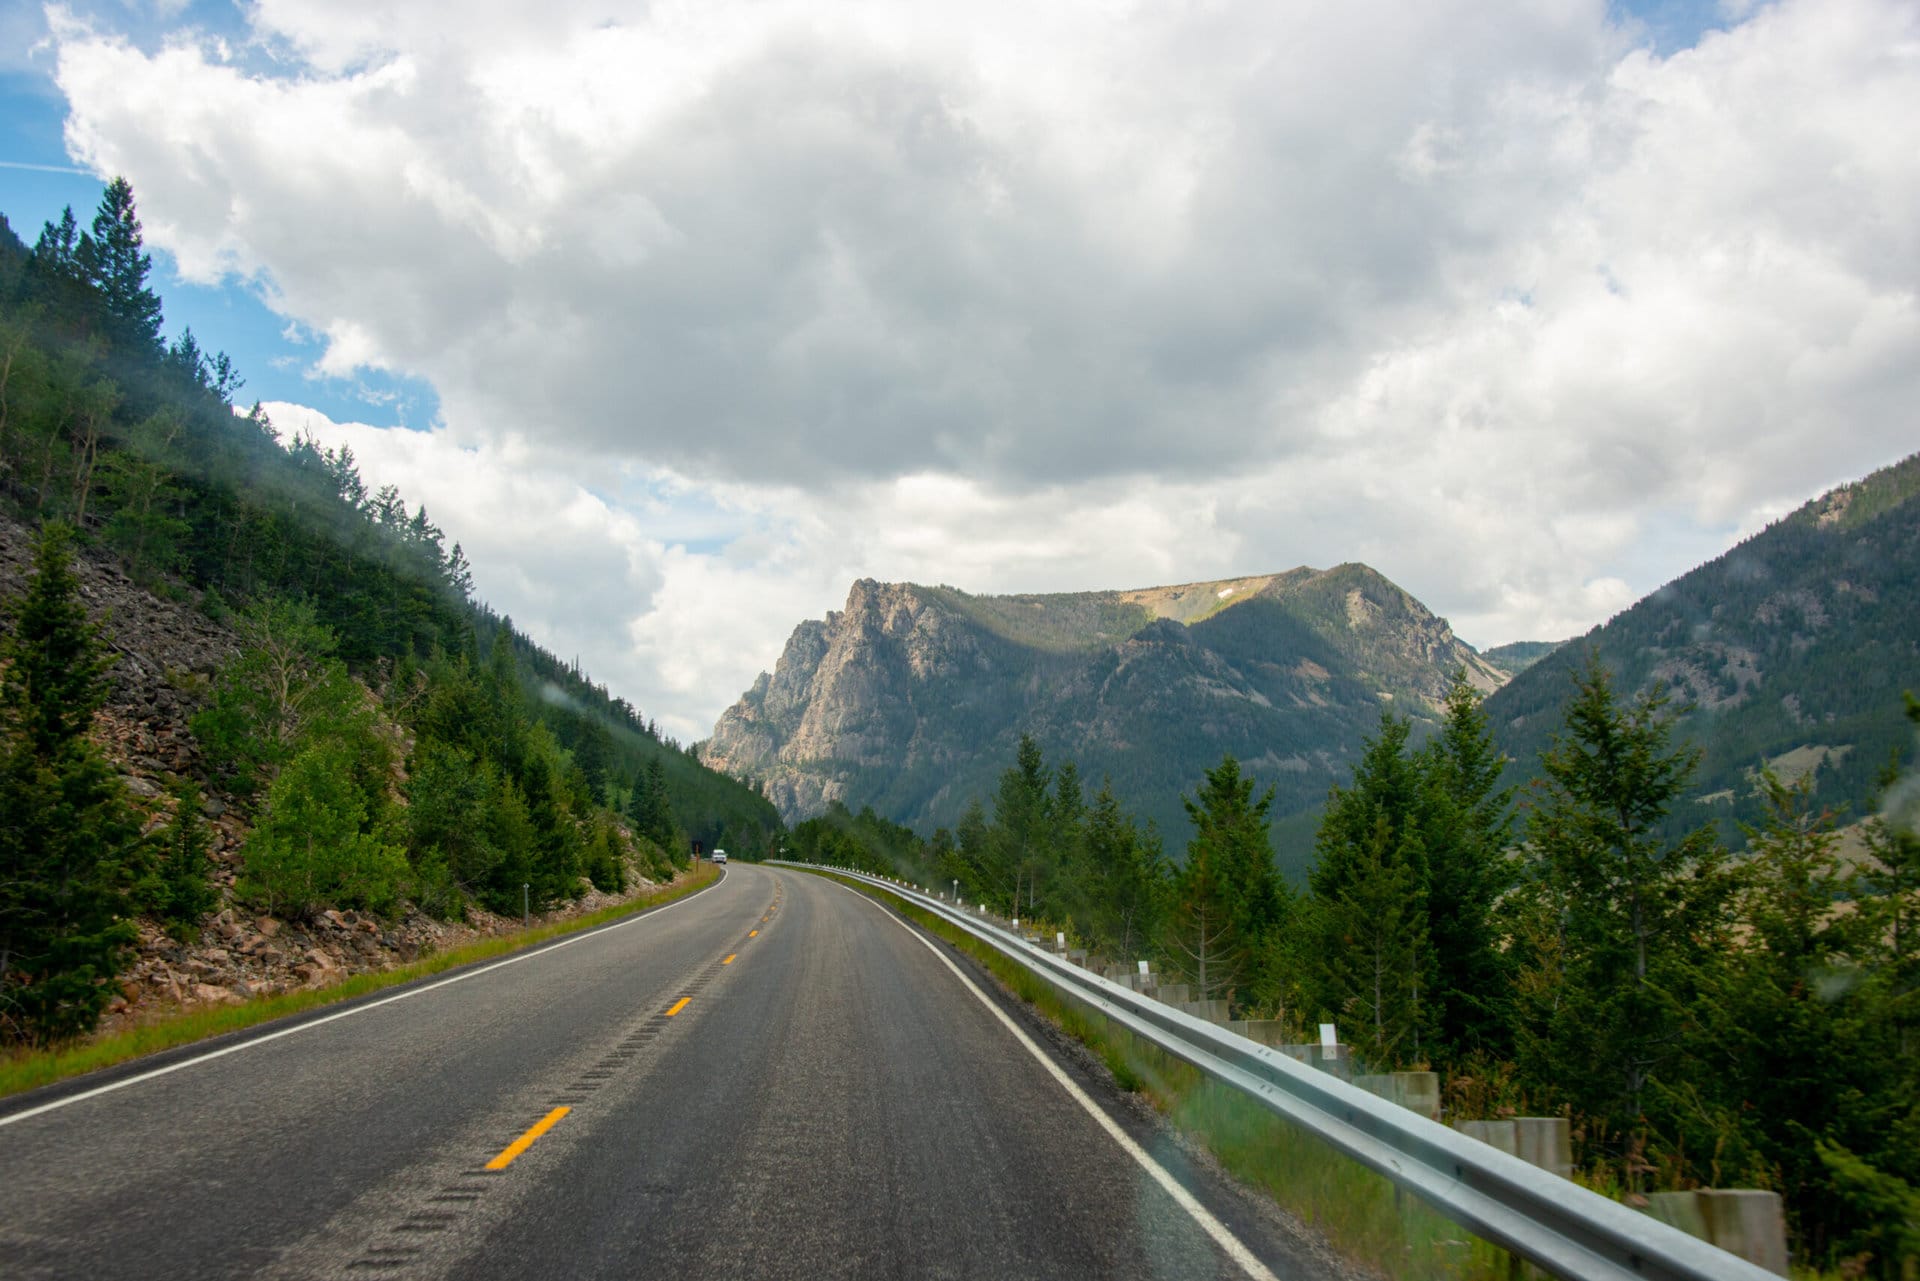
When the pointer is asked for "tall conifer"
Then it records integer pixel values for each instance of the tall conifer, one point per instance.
(68, 845)
(1640, 915)
(118, 267)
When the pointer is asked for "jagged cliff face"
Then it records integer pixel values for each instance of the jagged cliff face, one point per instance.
(911, 698)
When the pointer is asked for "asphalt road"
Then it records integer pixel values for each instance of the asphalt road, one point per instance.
(775, 1077)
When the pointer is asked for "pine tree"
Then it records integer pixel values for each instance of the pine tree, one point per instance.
(1793, 1046)
(1371, 841)
(1018, 837)
(57, 252)
(319, 844)
(68, 845)
(652, 809)
(1641, 916)
(1387, 783)
(113, 260)
(1129, 876)
(1892, 902)
(180, 890)
(1229, 897)
(1372, 935)
(1466, 825)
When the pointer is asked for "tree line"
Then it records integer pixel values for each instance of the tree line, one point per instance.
(1705, 1017)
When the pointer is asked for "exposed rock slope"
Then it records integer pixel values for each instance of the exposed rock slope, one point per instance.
(911, 698)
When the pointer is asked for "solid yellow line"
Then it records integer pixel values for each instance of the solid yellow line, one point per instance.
(678, 1006)
(525, 1141)
(729, 960)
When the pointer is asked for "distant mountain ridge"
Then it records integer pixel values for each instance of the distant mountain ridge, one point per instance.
(1790, 649)
(912, 698)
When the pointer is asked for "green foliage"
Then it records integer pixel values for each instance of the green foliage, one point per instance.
(605, 859)
(1887, 1208)
(1227, 898)
(1467, 821)
(116, 266)
(319, 844)
(1019, 844)
(652, 811)
(1641, 919)
(283, 690)
(1372, 954)
(180, 890)
(69, 848)
(1126, 885)
(450, 795)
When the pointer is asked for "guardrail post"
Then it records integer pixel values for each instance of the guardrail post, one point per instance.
(1495, 1134)
(1544, 1141)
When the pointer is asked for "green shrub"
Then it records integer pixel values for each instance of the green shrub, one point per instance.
(313, 849)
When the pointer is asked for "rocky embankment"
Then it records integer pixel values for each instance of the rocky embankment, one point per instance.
(241, 955)
(166, 655)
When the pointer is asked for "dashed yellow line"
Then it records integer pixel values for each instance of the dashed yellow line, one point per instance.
(525, 1141)
(678, 1006)
(752, 933)
(729, 960)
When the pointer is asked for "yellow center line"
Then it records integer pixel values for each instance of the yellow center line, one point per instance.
(678, 1006)
(729, 960)
(525, 1141)
(753, 933)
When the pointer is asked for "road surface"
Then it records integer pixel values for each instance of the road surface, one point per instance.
(775, 1077)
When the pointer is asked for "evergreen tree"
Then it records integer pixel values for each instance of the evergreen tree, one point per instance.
(1067, 873)
(1891, 902)
(68, 845)
(1372, 946)
(652, 811)
(448, 795)
(182, 886)
(113, 260)
(1018, 838)
(1641, 917)
(1372, 841)
(320, 842)
(1129, 877)
(1388, 783)
(1793, 1049)
(57, 253)
(1466, 825)
(1230, 897)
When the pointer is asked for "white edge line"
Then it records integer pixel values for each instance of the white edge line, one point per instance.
(1222, 1235)
(310, 1024)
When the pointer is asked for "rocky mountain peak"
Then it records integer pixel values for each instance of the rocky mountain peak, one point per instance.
(910, 697)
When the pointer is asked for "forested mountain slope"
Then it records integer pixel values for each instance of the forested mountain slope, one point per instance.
(378, 735)
(1791, 648)
(911, 698)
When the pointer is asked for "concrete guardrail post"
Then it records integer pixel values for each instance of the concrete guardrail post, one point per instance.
(1495, 1134)
(1545, 1141)
(1745, 1222)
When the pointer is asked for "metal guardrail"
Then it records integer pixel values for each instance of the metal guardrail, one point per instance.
(1556, 1224)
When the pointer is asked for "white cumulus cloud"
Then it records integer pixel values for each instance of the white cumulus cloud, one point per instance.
(728, 303)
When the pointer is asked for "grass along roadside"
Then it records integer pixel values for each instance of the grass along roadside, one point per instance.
(1354, 1209)
(28, 1069)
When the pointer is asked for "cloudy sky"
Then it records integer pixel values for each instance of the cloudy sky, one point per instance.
(680, 316)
